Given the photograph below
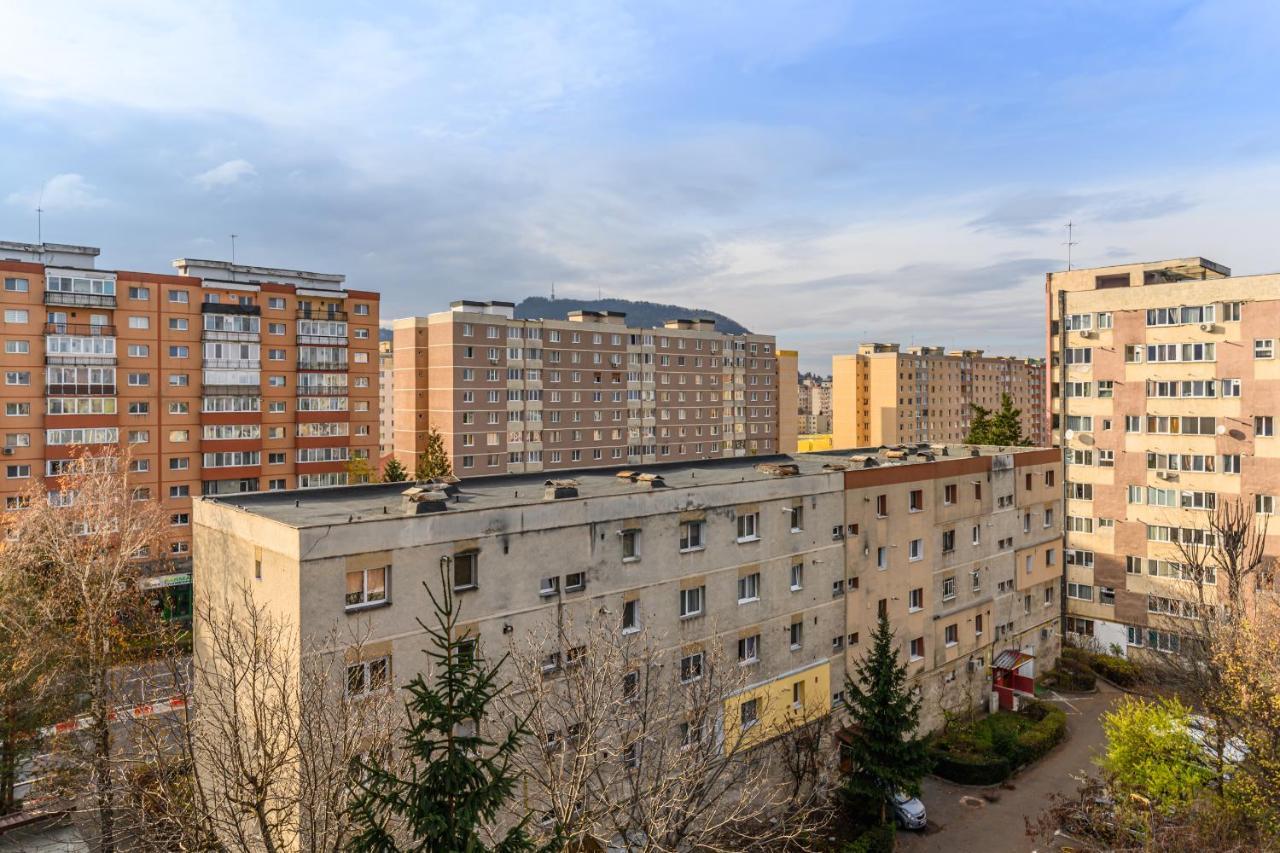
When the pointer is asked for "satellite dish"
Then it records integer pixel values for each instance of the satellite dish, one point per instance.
(1222, 429)
(1071, 434)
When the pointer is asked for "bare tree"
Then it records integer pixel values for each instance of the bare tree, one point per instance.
(633, 744)
(265, 760)
(85, 544)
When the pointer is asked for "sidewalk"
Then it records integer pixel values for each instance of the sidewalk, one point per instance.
(961, 820)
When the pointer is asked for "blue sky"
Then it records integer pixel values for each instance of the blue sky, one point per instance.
(830, 172)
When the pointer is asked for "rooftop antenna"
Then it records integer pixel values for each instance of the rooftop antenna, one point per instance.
(553, 291)
(233, 256)
(40, 220)
(1071, 227)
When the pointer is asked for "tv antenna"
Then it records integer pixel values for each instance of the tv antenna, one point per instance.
(553, 291)
(40, 220)
(1071, 227)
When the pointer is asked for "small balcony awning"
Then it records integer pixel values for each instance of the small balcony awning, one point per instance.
(1011, 659)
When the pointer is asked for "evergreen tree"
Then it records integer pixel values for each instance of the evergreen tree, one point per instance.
(885, 753)
(434, 461)
(456, 780)
(393, 471)
(1004, 428)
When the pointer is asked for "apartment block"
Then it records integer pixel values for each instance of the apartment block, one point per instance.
(512, 395)
(220, 378)
(883, 395)
(782, 563)
(815, 406)
(1164, 399)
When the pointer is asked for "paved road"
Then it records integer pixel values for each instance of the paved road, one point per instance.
(961, 820)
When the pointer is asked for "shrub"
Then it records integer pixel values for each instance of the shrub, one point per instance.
(1072, 676)
(1119, 671)
(879, 839)
(1048, 730)
(1071, 653)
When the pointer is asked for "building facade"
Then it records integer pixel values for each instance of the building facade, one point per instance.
(883, 395)
(386, 401)
(221, 378)
(783, 565)
(521, 395)
(1164, 399)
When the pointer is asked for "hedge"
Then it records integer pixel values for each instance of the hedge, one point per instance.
(1116, 670)
(965, 770)
(878, 839)
(1049, 730)
(1071, 676)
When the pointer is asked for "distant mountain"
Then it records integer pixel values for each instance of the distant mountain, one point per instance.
(643, 315)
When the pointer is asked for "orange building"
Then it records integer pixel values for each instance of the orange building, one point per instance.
(220, 378)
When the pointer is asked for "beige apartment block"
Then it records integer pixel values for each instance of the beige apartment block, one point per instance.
(223, 378)
(513, 396)
(1164, 397)
(788, 401)
(883, 395)
(782, 563)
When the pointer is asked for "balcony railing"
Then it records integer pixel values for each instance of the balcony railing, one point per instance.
(98, 300)
(90, 330)
(233, 364)
(321, 391)
(231, 390)
(321, 314)
(76, 390)
(66, 359)
(313, 364)
(229, 308)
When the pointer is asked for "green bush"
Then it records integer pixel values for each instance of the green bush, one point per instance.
(1047, 731)
(1080, 656)
(879, 839)
(1116, 670)
(971, 770)
(1073, 676)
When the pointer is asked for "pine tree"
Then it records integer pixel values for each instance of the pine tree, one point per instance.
(434, 461)
(885, 753)
(1002, 429)
(393, 471)
(456, 780)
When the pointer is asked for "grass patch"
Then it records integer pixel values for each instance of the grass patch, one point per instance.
(986, 750)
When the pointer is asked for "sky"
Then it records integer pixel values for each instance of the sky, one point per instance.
(830, 172)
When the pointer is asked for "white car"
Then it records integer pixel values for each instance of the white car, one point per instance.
(909, 811)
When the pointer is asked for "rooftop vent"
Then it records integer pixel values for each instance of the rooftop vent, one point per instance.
(419, 500)
(450, 485)
(864, 461)
(895, 454)
(778, 469)
(558, 489)
(654, 481)
(834, 466)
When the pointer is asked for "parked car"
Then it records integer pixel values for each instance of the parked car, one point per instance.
(909, 811)
(1201, 729)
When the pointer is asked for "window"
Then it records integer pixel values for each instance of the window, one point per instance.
(882, 506)
(1264, 426)
(797, 576)
(797, 518)
(797, 634)
(179, 297)
(1107, 596)
(17, 285)
(1080, 591)
(917, 648)
(1264, 504)
(915, 550)
(575, 581)
(17, 472)
(750, 713)
(367, 587)
(630, 615)
(882, 557)
(17, 409)
(915, 600)
(178, 324)
(948, 588)
(16, 315)
(749, 588)
(630, 545)
(17, 377)
(1231, 464)
(136, 322)
(949, 494)
(691, 601)
(17, 347)
(948, 541)
(951, 635)
(749, 649)
(1264, 348)
(916, 500)
(748, 527)
(364, 678)
(691, 667)
(465, 574)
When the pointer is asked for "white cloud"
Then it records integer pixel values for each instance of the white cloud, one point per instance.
(225, 175)
(67, 191)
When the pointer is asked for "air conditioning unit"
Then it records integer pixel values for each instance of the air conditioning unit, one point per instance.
(1086, 333)
(1162, 475)
(1044, 633)
(1206, 327)
(8, 451)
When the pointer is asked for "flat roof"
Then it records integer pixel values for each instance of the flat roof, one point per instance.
(303, 508)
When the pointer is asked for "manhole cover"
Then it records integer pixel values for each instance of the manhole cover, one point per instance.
(972, 802)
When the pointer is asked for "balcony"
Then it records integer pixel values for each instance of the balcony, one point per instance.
(230, 308)
(79, 300)
(313, 364)
(224, 390)
(79, 390)
(233, 364)
(321, 391)
(316, 314)
(90, 330)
